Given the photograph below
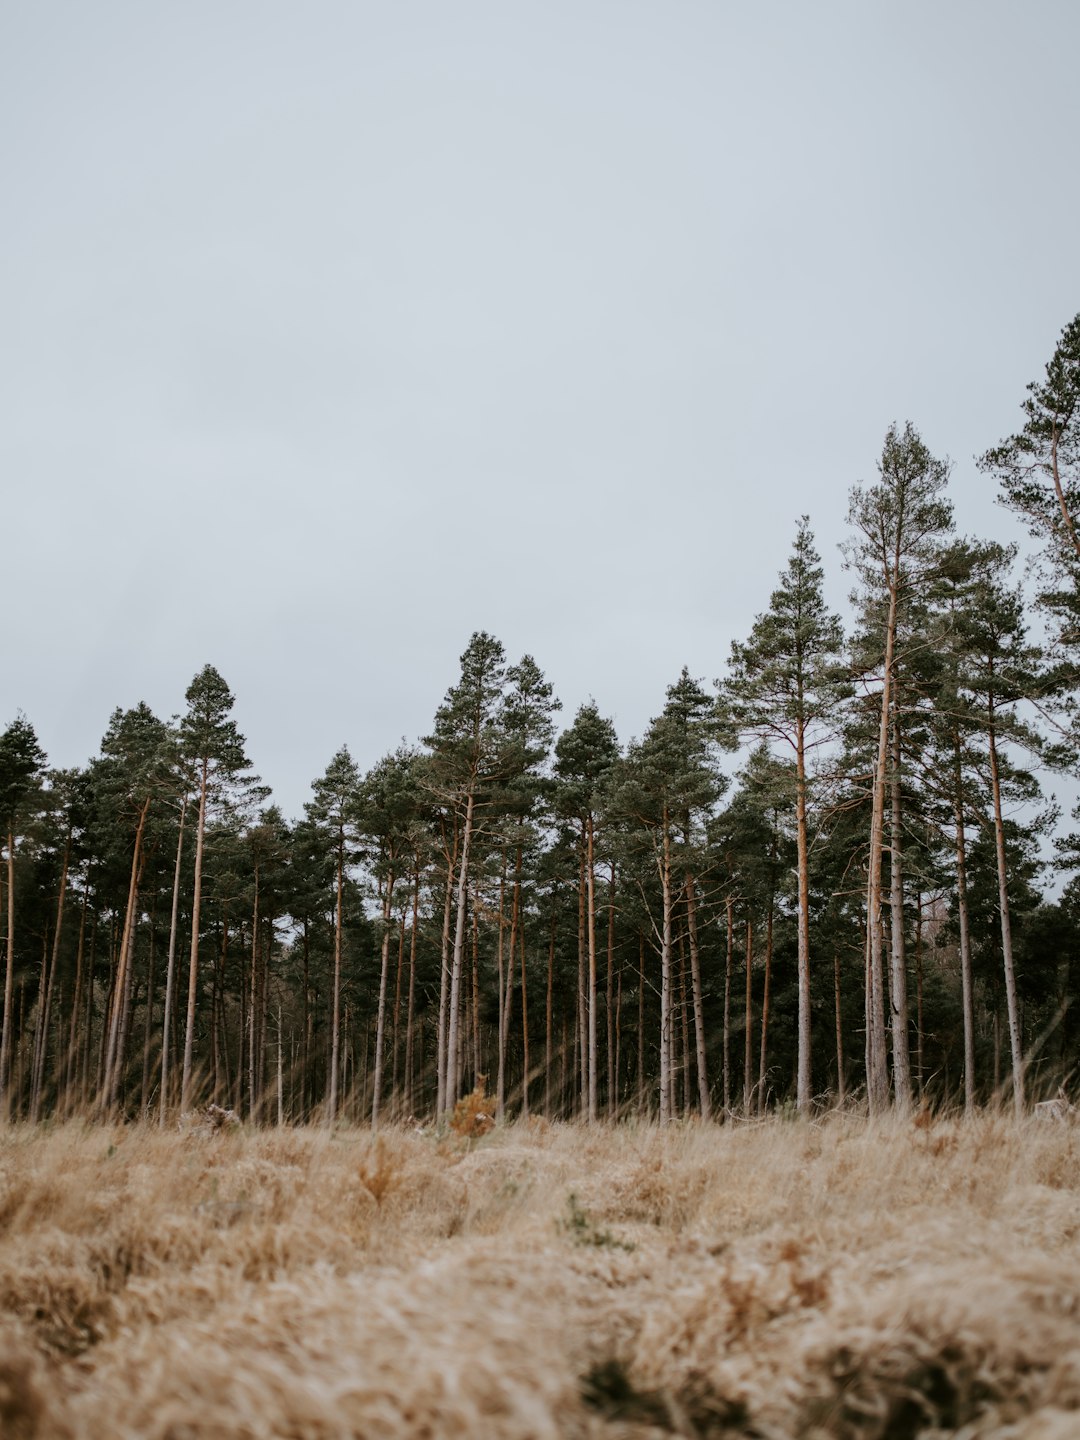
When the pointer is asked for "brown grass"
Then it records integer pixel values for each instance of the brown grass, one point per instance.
(776, 1280)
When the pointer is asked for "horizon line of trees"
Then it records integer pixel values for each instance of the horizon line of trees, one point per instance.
(585, 927)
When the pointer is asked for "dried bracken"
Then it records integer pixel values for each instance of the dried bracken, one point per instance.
(869, 1282)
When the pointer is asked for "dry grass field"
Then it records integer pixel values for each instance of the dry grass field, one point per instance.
(770, 1280)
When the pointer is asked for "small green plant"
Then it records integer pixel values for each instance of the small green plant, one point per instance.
(582, 1230)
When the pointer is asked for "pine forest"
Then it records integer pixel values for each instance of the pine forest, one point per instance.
(832, 873)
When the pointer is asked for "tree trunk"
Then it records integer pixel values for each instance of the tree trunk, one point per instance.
(966, 974)
(39, 1059)
(380, 1021)
(730, 906)
(803, 1082)
(444, 981)
(840, 1078)
(590, 900)
(699, 1007)
(170, 974)
(193, 965)
(748, 1057)
(898, 1018)
(608, 1036)
(452, 1063)
(765, 998)
(114, 1056)
(410, 1011)
(877, 1079)
(1015, 1040)
(665, 977)
(9, 984)
(335, 1029)
(548, 1036)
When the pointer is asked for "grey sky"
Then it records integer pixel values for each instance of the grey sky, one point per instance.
(330, 333)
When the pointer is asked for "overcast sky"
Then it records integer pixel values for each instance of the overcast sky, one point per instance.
(332, 332)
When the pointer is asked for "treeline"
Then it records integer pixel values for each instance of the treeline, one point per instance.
(588, 927)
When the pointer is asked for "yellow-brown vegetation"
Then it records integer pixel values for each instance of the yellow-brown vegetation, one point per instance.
(780, 1279)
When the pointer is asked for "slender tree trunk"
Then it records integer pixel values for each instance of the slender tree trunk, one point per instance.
(582, 981)
(39, 1059)
(920, 1076)
(618, 1046)
(254, 1068)
(380, 1021)
(148, 1023)
(395, 1039)
(452, 1062)
(748, 1057)
(590, 901)
(898, 1018)
(72, 1070)
(335, 1030)
(765, 998)
(170, 973)
(728, 963)
(444, 983)
(877, 1079)
(193, 965)
(114, 1056)
(478, 1066)
(525, 1076)
(410, 1014)
(643, 1102)
(665, 977)
(1015, 1040)
(840, 1076)
(9, 984)
(803, 1082)
(505, 984)
(548, 1011)
(612, 1067)
(966, 975)
(699, 1006)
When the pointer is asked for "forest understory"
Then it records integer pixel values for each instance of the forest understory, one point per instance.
(775, 1278)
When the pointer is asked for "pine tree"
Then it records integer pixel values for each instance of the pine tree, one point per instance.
(333, 811)
(1039, 472)
(584, 756)
(786, 685)
(899, 523)
(468, 759)
(215, 748)
(22, 763)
